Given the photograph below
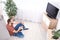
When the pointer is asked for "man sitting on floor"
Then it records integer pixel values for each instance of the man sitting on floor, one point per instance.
(15, 31)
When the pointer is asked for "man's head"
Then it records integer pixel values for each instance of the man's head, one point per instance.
(8, 21)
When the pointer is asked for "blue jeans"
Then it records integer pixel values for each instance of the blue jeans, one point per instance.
(19, 34)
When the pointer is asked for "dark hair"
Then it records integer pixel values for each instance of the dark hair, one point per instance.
(9, 20)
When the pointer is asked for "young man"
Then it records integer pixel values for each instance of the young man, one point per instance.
(14, 31)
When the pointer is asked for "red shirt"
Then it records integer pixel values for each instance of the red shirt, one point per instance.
(10, 29)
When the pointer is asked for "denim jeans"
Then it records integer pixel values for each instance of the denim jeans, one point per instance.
(19, 34)
(19, 25)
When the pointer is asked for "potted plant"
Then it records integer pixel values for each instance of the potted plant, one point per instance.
(10, 8)
(56, 34)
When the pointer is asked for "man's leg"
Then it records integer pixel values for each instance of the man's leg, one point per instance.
(19, 25)
(19, 34)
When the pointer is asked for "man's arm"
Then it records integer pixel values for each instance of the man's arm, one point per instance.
(14, 31)
(19, 29)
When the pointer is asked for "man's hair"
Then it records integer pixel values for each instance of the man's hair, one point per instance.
(9, 20)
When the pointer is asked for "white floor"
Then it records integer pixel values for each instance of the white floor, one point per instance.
(35, 32)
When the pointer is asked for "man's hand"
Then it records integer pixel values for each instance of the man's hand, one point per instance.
(15, 31)
(20, 28)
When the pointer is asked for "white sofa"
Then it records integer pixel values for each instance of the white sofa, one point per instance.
(4, 35)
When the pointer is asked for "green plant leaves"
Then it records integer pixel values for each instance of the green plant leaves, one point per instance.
(11, 8)
(56, 34)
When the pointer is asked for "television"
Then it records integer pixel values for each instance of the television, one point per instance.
(52, 11)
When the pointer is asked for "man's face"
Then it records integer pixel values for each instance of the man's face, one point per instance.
(11, 20)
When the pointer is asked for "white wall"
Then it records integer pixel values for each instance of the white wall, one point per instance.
(3, 11)
(31, 9)
(4, 35)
